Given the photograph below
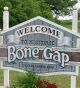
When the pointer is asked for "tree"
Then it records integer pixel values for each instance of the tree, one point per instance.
(23, 10)
(61, 6)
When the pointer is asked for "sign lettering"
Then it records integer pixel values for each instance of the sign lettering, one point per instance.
(39, 29)
(47, 54)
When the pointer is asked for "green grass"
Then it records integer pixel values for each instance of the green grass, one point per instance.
(63, 81)
(1, 77)
(78, 81)
(68, 24)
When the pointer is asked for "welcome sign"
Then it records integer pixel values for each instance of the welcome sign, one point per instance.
(39, 29)
(41, 46)
(38, 49)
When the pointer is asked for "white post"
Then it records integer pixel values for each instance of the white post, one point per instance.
(5, 27)
(73, 77)
(74, 29)
(5, 18)
(75, 20)
(6, 78)
(73, 81)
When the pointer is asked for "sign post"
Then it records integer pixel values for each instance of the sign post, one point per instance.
(75, 29)
(6, 78)
(5, 27)
(73, 78)
(73, 81)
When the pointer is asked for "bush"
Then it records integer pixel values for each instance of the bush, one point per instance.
(45, 84)
(31, 80)
(28, 80)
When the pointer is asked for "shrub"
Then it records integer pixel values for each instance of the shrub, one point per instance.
(31, 80)
(28, 81)
(45, 84)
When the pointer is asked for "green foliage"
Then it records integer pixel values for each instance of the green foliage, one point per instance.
(61, 6)
(28, 81)
(23, 10)
(65, 23)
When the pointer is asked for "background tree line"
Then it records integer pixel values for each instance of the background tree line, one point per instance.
(22, 10)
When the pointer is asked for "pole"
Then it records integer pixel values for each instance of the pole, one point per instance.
(5, 19)
(6, 78)
(5, 27)
(73, 81)
(75, 29)
(75, 20)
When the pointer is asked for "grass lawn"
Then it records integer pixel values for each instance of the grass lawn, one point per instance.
(63, 81)
(1, 77)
